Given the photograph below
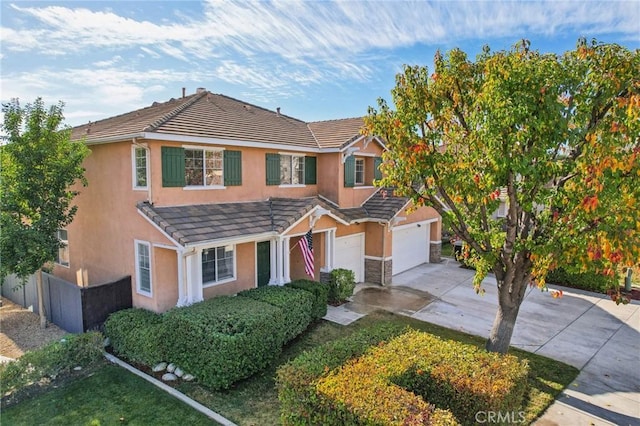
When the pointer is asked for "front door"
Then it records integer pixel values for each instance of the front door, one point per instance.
(263, 254)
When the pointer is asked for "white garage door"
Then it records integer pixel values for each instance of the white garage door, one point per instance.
(349, 254)
(410, 246)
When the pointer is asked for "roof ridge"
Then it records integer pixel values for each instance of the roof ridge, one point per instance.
(313, 135)
(168, 116)
(336, 119)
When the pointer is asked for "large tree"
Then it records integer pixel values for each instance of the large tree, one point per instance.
(39, 167)
(556, 137)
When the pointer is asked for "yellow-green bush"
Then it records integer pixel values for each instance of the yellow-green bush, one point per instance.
(395, 383)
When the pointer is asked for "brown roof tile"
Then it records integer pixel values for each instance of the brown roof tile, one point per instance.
(336, 133)
(384, 204)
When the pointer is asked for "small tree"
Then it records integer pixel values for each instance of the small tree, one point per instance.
(556, 138)
(39, 166)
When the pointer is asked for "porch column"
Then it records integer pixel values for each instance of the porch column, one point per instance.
(194, 278)
(273, 262)
(182, 281)
(329, 248)
(286, 276)
(279, 261)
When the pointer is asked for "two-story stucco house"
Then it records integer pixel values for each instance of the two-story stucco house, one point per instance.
(207, 195)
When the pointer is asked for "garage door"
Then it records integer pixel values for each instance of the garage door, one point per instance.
(349, 254)
(410, 246)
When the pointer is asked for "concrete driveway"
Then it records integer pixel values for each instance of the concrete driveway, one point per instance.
(583, 329)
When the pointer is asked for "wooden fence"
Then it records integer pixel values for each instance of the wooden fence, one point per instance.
(73, 308)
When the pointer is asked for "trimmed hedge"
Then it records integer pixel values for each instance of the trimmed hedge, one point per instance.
(296, 379)
(320, 292)
(589, 281)
(296, 306)
(224, 339)
(392, 383)
(136, 334)
(74, 350)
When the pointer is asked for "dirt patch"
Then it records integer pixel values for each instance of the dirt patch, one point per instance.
(20, 330)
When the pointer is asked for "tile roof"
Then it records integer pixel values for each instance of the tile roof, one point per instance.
(217, 116)
(336, 133)
(384, 204)
(199, 223)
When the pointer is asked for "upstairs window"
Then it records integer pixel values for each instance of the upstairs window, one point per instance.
(359, 178)
(291, 169)
(206, 168)
(140, 169)
(63, 251)
(361, 170)
(203, 167)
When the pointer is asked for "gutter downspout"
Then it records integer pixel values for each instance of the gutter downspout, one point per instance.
(148, 150)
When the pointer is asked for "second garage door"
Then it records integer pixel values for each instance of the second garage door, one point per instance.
(410, 246)
(350, 254)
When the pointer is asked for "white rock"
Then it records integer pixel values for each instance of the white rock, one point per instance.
(178, 372)
(188, 377)
(169, 377)
(171, 368)
(78, 368)
(159, 367)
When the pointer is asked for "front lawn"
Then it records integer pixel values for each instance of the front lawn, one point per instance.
(109, 395)
(113, 396)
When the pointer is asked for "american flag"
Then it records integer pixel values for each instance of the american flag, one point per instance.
(306, 245)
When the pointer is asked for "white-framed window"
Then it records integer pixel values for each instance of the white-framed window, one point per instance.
(143, 268)
(218, 265)
(502, 209)
(291, 169)
(203, 167)
(140, 162)
(63, 251)
(359, 179)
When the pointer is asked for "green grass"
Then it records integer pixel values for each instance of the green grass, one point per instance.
(112, 396)
(109, 395)
(446, 249)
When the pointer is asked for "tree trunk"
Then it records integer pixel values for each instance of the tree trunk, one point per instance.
(39, 287)
(502, 330)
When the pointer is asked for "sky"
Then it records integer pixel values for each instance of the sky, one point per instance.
(317, 60)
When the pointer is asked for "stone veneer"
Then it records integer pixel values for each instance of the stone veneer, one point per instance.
(373, 272)
(325, 277)
(435, 252)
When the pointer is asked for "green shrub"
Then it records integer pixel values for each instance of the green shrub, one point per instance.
(341, 286)
(295, 380)
(60, 357)
(320, 292)
(296, 306)
(224, 339)
(589, 281)
(135, 334)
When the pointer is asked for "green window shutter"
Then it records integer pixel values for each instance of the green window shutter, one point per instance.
(172, 166)
(377, 173)
(232, 168)
(310, 170)
(273, 169)
(350, 172)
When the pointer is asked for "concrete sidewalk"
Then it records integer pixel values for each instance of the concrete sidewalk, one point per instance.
(583, 329)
